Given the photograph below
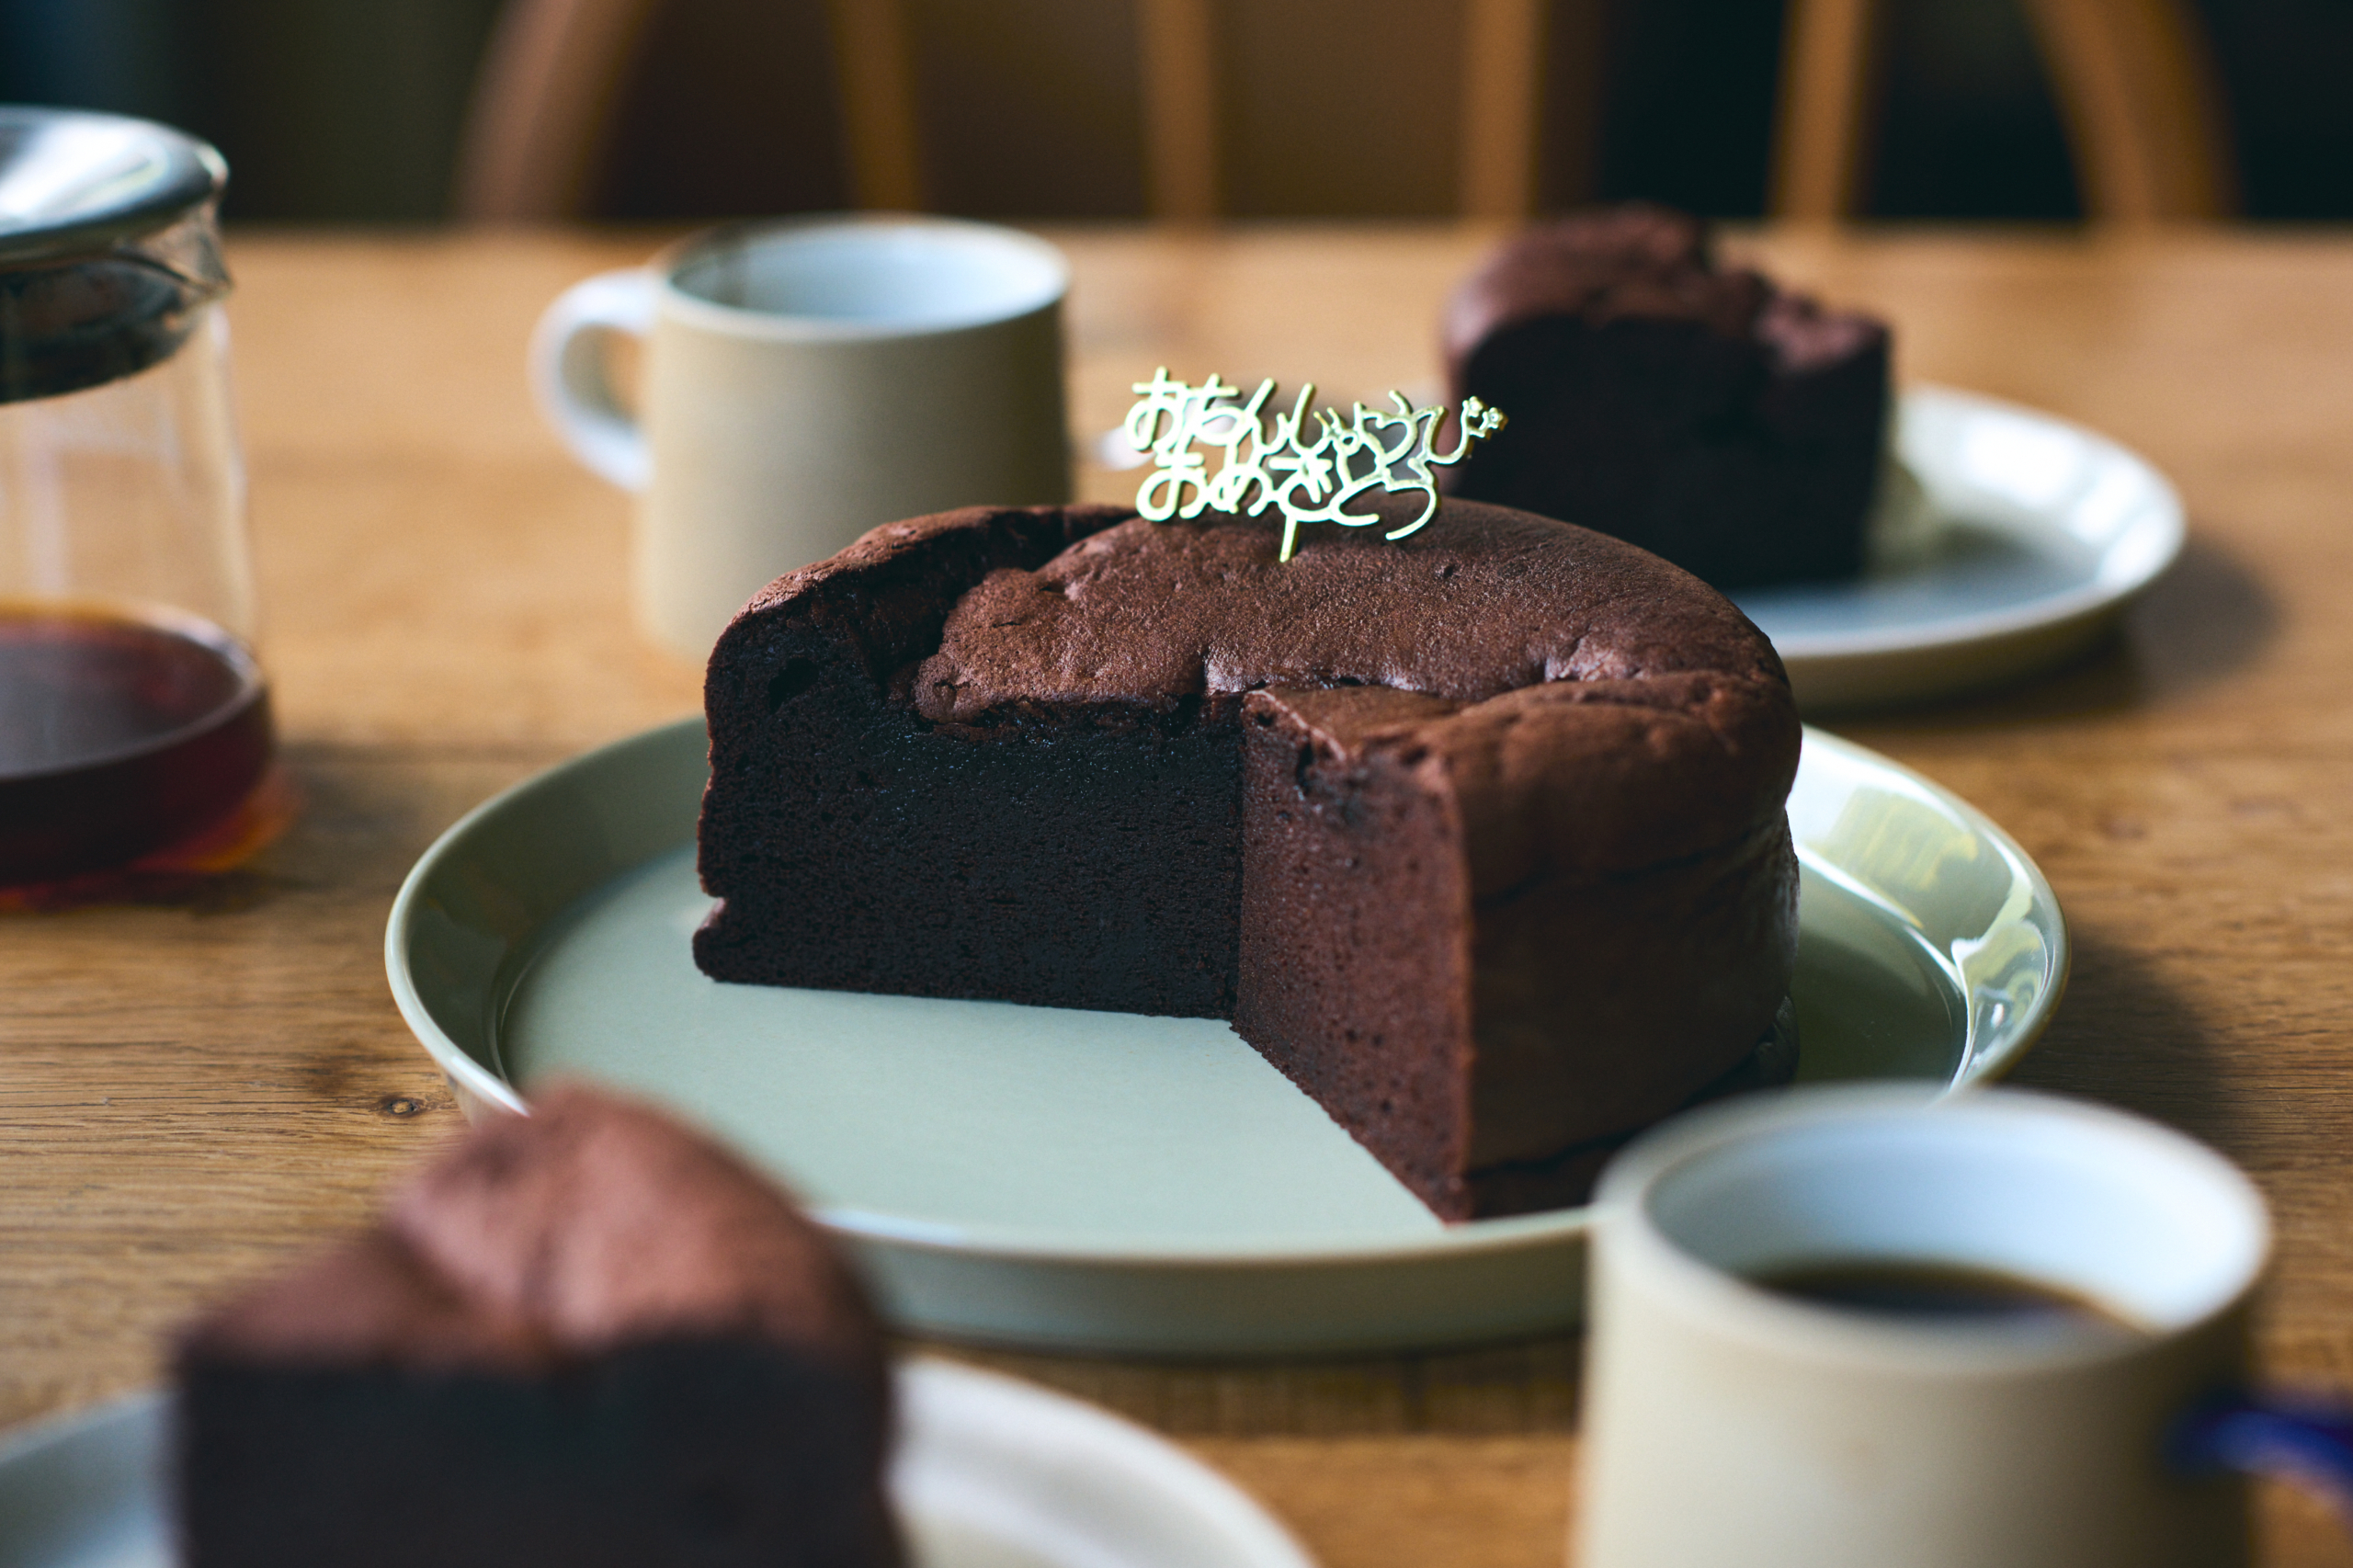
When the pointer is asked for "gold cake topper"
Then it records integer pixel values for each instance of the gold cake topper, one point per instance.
(1312, 481)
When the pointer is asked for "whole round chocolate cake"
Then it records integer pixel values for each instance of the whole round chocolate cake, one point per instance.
(1479, 837)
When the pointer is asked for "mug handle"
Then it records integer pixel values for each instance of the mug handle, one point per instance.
(2308, 1441)
(568, 372)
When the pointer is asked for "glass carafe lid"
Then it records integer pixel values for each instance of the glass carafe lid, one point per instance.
(108, 247)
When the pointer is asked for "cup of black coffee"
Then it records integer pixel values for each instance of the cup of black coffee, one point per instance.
(1858, 1326)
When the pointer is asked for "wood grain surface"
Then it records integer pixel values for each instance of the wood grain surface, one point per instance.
(197, 1085)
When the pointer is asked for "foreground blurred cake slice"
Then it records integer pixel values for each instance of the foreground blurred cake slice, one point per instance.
(586, 1337)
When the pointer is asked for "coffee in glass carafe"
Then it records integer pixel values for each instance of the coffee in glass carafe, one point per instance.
(132, 711)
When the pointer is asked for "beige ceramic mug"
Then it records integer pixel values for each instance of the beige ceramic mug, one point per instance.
(1730, 1421)
(805, 381)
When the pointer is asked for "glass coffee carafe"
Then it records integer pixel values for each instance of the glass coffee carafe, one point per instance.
(132, 712)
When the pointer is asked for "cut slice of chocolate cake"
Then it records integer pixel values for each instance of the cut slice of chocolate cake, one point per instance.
(1701, 413)
(1478, 835)
(587, 1339)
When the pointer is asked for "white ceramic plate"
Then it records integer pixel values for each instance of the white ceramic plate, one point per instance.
(990, 1473)
(2040, 533)
(1108, 1181)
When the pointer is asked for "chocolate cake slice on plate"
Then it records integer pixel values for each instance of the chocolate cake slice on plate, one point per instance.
(1735, 427)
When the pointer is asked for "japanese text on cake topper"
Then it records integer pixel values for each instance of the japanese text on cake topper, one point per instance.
(1309, 480)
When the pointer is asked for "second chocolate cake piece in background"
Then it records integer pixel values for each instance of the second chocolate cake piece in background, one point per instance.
(1478, 836)
(1733, 427)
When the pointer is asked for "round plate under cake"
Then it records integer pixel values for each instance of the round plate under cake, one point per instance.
(1110, 1181)
(2040, 534)
(990, 1473)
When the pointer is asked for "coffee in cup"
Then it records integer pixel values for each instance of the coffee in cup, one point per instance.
(1851, 1327)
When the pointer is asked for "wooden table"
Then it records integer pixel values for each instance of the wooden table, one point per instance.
(194, 1088)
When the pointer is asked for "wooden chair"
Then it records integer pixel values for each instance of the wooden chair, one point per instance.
(2131, 78)
(544, 102)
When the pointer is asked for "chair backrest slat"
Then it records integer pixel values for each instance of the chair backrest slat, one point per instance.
(874, 62)
(1503, 68)
(543, 104)
(1825, 71)
(1176, 49)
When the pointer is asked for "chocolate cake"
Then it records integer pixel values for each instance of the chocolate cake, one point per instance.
(585, 1339)
(1478, 835)
(1699, 412)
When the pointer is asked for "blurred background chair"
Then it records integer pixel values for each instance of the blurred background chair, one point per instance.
(1950, 109)
(2133, 80)
(1191, 94)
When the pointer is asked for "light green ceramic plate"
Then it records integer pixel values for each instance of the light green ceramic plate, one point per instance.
(1108, 1181)
(2035, 535)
